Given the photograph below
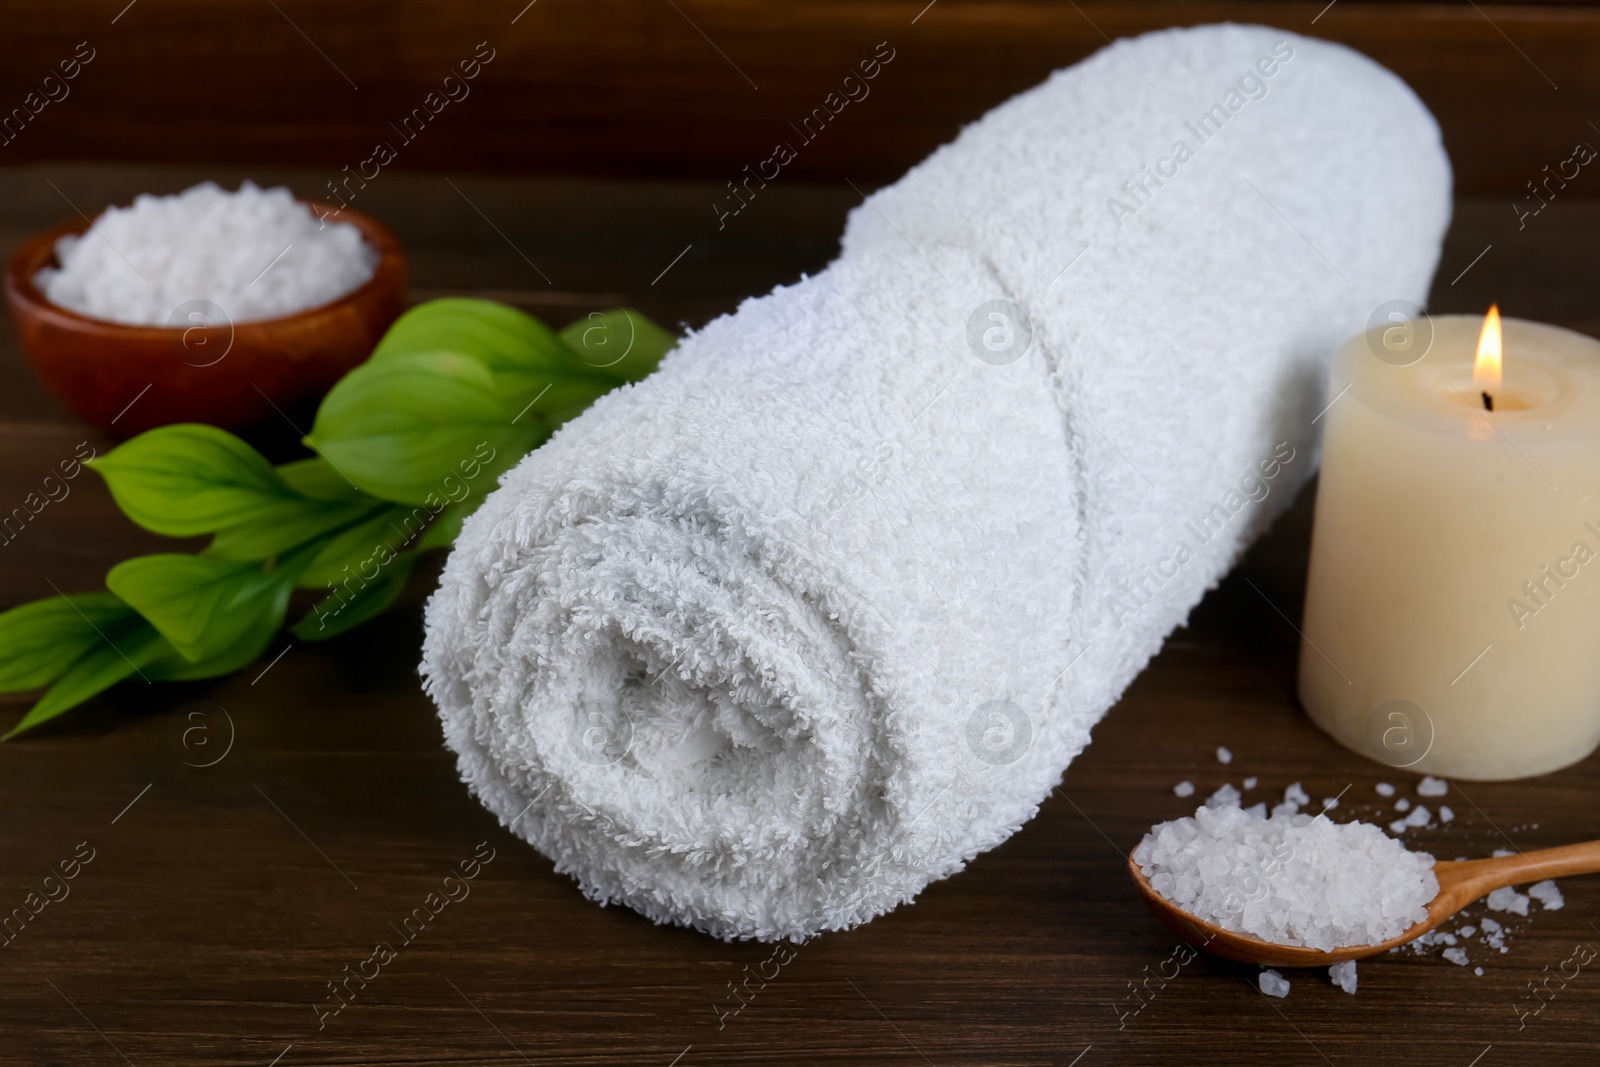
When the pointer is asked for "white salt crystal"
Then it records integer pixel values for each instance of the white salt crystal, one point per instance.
(1257, 810)
(1223, 755)
(1288, 807)
(1420, 816)
(1290, 879)
(1385, 789)
(1503, 852)
(1295, 794)
(1467, 931)
(1274, 984)
(1445, 814)
(1478, 971)
(1546, 893)
(1490, 926)
(1344, 975)
(1457, 956)
(1225, 797)
(1250, 782)
(1402, 804)
(1398, 826)
(1329, 803)
(1507, 899)
(1184, 788)
(1432, 787)
(256, 254)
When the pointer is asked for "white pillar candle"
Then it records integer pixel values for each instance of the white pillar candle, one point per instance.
(1452, 619)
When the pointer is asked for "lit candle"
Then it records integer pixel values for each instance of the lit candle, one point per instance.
(1452, 619)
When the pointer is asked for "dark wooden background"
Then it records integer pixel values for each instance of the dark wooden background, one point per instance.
(222, 901)
(699, 88)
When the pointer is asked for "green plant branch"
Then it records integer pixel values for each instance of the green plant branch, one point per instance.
(405, 447)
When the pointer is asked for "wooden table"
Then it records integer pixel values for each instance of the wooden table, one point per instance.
(221, 900)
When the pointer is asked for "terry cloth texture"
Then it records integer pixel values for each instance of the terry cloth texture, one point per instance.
(822, 610)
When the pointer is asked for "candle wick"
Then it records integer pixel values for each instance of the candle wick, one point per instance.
(1488, 402)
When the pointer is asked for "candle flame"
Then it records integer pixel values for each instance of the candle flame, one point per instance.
(1486, 368)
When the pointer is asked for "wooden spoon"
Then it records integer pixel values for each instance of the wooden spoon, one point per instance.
(1460, 883)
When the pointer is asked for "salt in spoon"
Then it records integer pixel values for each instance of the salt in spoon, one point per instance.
(1460, 883)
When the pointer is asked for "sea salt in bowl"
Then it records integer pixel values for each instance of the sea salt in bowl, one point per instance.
(209, 366)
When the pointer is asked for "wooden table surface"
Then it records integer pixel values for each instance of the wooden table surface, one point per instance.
(222, 900)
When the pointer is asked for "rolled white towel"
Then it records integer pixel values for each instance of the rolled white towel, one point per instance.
(822, 609)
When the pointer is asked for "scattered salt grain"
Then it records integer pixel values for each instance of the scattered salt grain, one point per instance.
(1344, 975)
(1478, 971)
(1546, 893)
(1420, 816)
(1457, 956)
(1250, 783)
(1257, 810)
(1402, 804)
(1329, 803)
(1274, 984)
(1432, 787)
(255, 253)
(1223, 755)
(1507, 899)
(1445, 814)
(1467, 931)
(1398, 826)
(1502, 852)
(1291, 879)
(1225, 797)
(1385, 789)
(1184, 788)
(1293, 799)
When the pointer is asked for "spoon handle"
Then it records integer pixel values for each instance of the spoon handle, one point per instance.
(1483, 876)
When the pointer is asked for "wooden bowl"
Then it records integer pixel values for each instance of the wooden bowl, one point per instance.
(128, 379)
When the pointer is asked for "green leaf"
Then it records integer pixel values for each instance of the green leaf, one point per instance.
(320, 480)
(203, 605)
(173, 666)
(336, 614)
(191, 479)
(39, 641)
(538, 371)
(259, 539)
(369, 545)
(401, 427)
(622, 343)
(499, 337)
(95, 671)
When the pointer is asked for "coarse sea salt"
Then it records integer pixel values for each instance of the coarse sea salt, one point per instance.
(1290, 879)
(1224, 755)
(1507, 899)
(1344, 975)
(1546, 893)
(1432, 787)
(1273, 984)
(1184, 788)
(254, 254)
